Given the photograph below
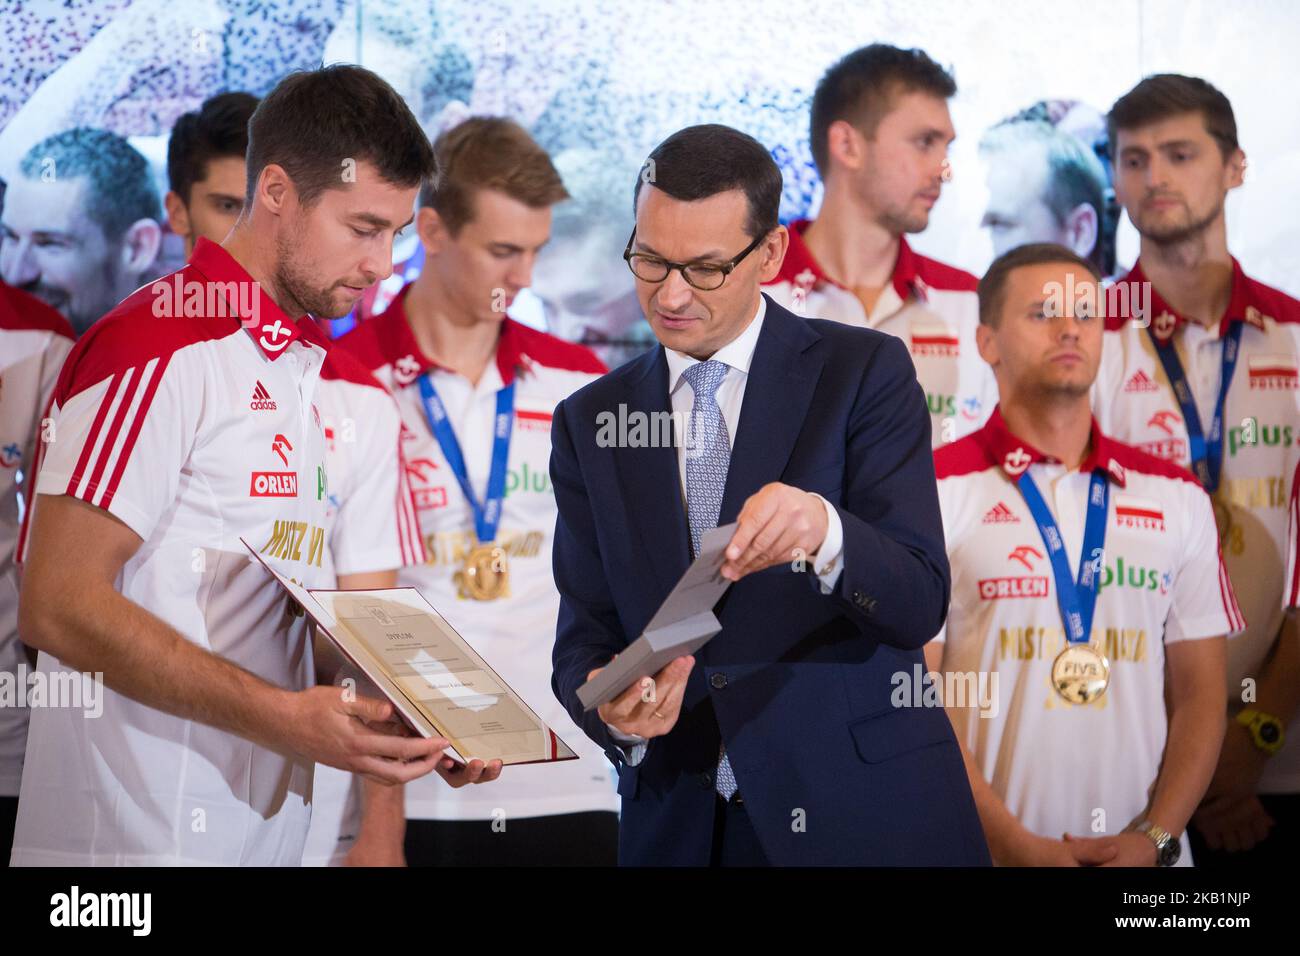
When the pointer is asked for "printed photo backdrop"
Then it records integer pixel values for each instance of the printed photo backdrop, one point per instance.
(599, 84)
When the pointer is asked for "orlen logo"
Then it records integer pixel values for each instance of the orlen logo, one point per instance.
(1165, 420)
(1170, 448)
(428, 498)
(1036, 586)
(274, 484)
(420, 471)
(280, 445)
(1026, 554)
(994, 589)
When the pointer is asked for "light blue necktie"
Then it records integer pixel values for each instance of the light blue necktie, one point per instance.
(708, 455)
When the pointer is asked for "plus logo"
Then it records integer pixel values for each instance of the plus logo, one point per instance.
(11, 455)
(274, 332)
(1026, 554)
(280, 445)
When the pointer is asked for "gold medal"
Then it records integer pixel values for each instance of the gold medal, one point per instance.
(1080, 673)
(485, 577)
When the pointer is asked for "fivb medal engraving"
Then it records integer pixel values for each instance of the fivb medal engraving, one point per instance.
(486, 576)
(1080, 673)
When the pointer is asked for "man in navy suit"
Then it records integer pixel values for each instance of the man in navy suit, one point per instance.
(781, 744)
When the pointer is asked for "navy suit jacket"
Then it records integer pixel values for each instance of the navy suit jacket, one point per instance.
(798, 684)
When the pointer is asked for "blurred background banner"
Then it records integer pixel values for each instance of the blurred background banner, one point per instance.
(599, 84)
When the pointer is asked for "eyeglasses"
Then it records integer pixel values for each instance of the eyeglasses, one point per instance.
(705, 276)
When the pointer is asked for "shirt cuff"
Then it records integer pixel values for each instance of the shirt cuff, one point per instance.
(827, 561)
(633, 747)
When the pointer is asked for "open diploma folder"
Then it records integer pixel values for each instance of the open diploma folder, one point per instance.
(683, 624)
(436, 681)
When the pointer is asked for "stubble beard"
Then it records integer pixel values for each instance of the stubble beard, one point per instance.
(1177, 235)
(298, 293)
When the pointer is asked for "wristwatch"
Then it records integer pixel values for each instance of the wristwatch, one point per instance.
(1266, 731)
(1168, 849)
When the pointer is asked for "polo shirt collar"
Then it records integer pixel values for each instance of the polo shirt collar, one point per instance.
(801, 269)
(1165, 321)
(274, 330)
(410, 363)
(1014, 456)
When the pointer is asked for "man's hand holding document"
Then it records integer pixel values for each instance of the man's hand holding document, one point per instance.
(639, 693)
(431, 676)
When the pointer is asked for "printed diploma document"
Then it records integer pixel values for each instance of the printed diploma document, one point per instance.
(437, 682)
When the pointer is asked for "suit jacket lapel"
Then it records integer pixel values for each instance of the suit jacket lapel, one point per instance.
(782, 378)
(651, 477)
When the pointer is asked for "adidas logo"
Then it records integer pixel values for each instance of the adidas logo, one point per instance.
(1000, 514)
(261, 400)
(1141, 382)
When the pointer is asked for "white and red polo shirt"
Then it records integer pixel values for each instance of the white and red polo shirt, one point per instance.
(194, 431)
(373, 528)
(1062, 768)
(930, 306)
(514, 633)
(1135, 402)
(34, 341)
